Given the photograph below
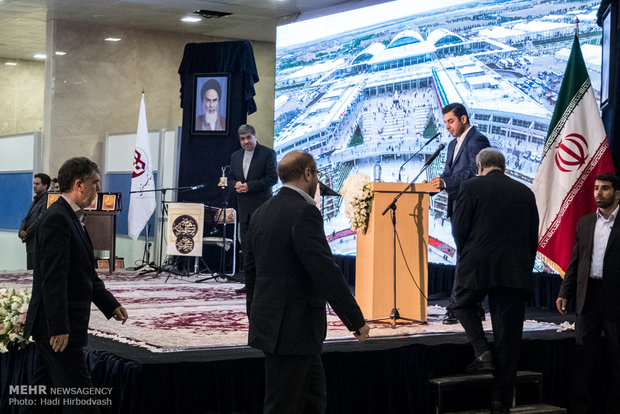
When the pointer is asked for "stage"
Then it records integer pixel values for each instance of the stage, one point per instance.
(183, 351)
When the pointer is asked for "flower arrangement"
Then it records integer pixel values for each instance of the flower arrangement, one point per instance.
(358, 200)
(13, 309)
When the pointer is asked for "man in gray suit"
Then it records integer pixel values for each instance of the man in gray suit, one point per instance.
(593, 278)
(28, 227)
(495, 226)
(290, 274)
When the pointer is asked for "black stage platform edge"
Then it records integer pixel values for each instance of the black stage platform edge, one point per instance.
(380, 376)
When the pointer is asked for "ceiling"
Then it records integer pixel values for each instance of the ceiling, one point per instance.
(23, 22)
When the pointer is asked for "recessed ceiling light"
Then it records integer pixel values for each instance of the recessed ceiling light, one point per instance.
(112, 39)
(40, 56)
(10, 63)
(191, 19)
(59, 53)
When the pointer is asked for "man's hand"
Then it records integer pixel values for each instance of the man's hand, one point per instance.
(59, 342)
(438, 183)
(22, 235)
(362, 333)
(241, 187)
(120, 314)
(560, 303)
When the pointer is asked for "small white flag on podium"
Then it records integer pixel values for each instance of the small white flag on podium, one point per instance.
(141, 204)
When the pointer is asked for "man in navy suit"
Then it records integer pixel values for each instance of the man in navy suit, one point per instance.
(290, 274)
(65, 284)
(252, 173)
(593, 279)
(460, 164)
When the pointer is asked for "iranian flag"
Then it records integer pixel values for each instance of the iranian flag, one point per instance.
(142, 199)
(575, 152)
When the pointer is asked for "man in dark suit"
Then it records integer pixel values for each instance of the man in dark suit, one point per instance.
(460, 166)
(65, 283)
(495, 226)
(252, 173)
(290, 274)
(593, 278)
(28, 227)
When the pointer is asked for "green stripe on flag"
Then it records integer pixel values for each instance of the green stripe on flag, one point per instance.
(574, 85)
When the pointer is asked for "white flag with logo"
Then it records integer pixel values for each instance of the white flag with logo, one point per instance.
(141, 201)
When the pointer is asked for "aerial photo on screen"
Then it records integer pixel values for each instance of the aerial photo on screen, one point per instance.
(363, 90)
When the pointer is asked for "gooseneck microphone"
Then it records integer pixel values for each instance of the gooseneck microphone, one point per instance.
(196, 187)
(435, 155)
(434, 137)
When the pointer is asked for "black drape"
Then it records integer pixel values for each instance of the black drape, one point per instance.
(202, 156)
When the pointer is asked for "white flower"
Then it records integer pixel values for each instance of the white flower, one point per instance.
(13, 309)
(358, 197)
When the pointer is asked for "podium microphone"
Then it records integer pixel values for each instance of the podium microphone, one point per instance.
(435, 155)
(197, 187)
(417, 152)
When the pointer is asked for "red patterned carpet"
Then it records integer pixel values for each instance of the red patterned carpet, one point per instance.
(183, 315)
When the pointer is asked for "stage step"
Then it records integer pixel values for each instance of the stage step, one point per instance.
(482, 380)
(522, 409)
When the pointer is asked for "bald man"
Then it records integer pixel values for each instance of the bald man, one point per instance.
(290, 274)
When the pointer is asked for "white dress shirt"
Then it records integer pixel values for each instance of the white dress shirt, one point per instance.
(247, 160)
(305, 195)
(602, 230)
(459, 142)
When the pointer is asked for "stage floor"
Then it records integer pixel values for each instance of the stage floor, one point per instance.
(182, 319)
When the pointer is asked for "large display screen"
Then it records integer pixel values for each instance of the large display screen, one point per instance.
(363, 90)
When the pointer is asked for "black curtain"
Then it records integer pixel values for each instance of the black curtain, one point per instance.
(201, 157)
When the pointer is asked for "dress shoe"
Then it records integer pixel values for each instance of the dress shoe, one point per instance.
(449, 318)
(241, 291)
(482, 363)
(481, 312)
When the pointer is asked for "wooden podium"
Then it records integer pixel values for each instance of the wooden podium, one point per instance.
(374, 286)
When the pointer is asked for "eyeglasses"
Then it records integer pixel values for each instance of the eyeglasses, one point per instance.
(318, 174)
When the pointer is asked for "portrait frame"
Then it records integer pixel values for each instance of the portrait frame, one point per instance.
(200, 126)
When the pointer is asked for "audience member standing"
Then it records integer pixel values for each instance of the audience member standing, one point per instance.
(495, 226)
(253, 174)
(64, 286)
(593, 279)
(28, 227)
(290, 274)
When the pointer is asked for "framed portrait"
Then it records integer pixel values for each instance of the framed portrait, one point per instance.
(211, 103)
(108, 202)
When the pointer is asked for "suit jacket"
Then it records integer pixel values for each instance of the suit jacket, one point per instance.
(464, 166)
(29, 223)
(575, 283)
(290, 273)
(261, 177)
(495, 226)
(64, 282)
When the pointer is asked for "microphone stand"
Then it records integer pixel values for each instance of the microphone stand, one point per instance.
(400, 170)
(395, 315)
(164, 212)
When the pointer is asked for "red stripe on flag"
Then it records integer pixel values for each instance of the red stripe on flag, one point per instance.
(559, 246)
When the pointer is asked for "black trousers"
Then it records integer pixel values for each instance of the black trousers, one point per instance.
(66, 369)
(507, 307)
(294, 384)
(588, 327)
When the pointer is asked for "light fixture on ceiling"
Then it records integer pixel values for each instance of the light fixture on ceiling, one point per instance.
(10, 63)
(211, 14)
(40, 56)
(112, 39)
(60, 53)
(191, 19)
